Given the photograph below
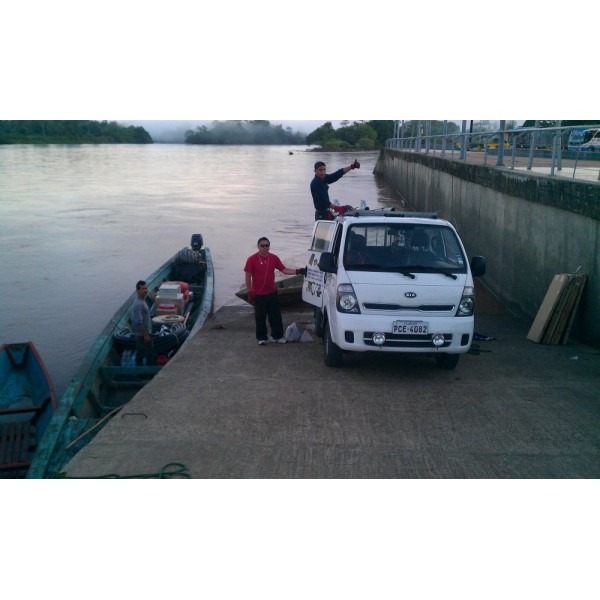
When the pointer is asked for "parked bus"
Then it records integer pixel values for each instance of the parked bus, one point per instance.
(584, 139)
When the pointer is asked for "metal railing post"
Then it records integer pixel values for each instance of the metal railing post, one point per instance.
(533, 146)
(445, 133)
(513, 152)
(501, 138)
(559, 147)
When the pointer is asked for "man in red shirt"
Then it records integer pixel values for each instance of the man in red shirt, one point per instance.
(262, 293)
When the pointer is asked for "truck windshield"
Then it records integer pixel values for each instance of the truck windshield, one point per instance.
(410, 248)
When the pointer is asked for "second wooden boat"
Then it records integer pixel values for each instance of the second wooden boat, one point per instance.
(27, 402)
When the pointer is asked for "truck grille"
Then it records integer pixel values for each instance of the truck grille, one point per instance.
(406, 340)
(399, 307)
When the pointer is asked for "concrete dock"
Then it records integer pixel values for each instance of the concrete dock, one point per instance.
(226, 408)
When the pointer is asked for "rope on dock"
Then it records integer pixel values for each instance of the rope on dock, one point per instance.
(169, 471)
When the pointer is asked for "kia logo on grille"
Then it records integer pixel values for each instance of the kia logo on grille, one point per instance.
(410, 295)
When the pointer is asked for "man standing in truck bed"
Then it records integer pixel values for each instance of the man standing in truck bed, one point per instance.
(319, 187)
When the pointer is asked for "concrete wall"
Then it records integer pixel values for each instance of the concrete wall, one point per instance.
(529, 227)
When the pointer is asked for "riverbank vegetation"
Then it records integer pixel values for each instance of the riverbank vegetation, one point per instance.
(368, 135)
(244, 132)
(556, 123)
(71, 132)
(355, 135)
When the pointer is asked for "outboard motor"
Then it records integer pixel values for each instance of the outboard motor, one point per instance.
(196, 242)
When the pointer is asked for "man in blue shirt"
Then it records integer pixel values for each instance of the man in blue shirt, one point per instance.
(319, 187)
(141, 325)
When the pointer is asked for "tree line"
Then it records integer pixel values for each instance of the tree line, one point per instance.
(356, 135)
(244, 132)
(555, 123)
(71, 132)
(371, 135)
(351, 135)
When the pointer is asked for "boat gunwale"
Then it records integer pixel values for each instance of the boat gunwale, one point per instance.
(7, 348)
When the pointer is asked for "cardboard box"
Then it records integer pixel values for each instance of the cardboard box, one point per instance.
(166, 310)
(169, 305)
(169, 290)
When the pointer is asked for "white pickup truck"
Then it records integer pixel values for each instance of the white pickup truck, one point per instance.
(389, 281)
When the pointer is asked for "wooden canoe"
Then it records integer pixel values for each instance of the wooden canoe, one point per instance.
(289, 289)
(103, 384)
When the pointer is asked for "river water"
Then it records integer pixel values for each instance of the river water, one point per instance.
(79, 225)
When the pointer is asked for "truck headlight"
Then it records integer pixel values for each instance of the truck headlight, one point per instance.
(346, 299)
(467, 303)
(378, 339)
(438, 340)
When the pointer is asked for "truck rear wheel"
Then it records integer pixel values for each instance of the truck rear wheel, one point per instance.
(333, 353)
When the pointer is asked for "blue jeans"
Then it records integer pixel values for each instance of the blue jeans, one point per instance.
(267, 307)
(144, 349)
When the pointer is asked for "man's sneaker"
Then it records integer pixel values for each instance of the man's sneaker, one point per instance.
(262, 342)
(278, 341)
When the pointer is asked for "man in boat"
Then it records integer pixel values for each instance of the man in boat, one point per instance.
(141, 325)
(262, 293)
(319, 188)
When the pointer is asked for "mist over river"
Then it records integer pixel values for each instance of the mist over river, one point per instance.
(80, 224)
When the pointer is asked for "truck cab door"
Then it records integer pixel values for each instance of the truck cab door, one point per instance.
(314, 282)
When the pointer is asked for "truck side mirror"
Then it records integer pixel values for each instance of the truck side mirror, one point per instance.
(478, 266)
(327, 263)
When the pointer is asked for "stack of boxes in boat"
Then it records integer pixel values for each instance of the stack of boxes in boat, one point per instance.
(169, 300)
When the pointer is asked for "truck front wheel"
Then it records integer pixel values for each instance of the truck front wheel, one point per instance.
(318, 321)
(447, 361)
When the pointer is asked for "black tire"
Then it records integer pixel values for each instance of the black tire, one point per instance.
(447, 361)
(168, 338)
(332, 352)
(125, 339)
(318, 322)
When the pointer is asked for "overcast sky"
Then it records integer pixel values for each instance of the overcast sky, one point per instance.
(148, 61)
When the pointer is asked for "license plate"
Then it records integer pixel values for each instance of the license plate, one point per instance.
(414, 327)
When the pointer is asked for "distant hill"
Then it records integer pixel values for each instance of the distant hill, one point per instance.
(174, 131)
(244, 132)
(71, 132)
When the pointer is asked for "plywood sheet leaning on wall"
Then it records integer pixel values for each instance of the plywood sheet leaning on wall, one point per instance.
(554, 320)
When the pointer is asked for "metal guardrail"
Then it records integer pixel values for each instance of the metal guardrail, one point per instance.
(533, 142)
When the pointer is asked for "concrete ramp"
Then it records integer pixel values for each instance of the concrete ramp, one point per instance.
(227, 408)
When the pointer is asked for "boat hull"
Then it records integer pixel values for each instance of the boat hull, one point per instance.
(289, 290)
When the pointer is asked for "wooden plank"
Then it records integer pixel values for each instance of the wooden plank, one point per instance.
(558, 320)
(3, 444)
(22, 409)
(547, 308)
(559, 323)
(14, 446)
(580, 284)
